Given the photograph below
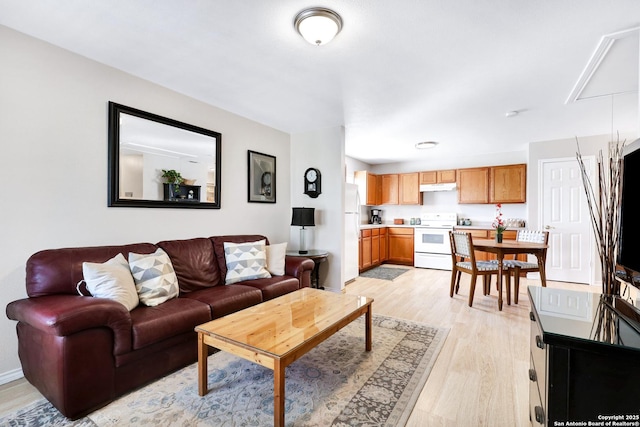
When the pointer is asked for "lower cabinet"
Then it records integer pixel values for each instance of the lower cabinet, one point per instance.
(373, 247)
(401, 248)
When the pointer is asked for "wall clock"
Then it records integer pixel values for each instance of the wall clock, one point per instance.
(312, 180)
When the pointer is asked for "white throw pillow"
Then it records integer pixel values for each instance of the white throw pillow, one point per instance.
(111, 279)
(275, 258)
(155, 279)
(245, 261)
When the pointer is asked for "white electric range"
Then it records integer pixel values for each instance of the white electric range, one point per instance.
(431, 240)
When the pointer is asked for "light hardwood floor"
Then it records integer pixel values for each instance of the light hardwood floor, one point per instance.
(479, 378)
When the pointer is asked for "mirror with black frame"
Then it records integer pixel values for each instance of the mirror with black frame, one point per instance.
(145, 149)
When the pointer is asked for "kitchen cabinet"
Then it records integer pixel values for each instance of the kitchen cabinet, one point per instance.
(389, 194)
(578, 372)
(383, 245)
(508, 184)
(365, 249)
(495, 184)
(367, 187)
(438, 177)
(400, 240)
(409, 189)
(373, 247)
(473, 185)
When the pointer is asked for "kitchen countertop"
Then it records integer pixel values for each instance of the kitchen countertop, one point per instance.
(385, 225)
(484, 227)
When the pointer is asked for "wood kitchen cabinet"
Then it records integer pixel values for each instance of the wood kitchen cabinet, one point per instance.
(365, 249)
(409, 189)
(438, 177)
(367, 187)
(390, 189)
(508, 184)
(495, 184)
(373, 247)
(473, 185)
(400, 240)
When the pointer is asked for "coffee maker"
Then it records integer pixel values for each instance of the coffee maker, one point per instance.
(376, 216)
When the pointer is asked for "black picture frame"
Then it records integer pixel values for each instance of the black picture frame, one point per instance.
(261, 177)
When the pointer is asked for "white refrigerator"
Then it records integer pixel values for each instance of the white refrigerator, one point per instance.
(352, 231)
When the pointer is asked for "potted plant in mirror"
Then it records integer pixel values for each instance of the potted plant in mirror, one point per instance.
(499, 224)
(173, 181)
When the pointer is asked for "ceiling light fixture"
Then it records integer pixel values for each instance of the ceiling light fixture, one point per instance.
(426, 144)
(511, 113)
(318, 25)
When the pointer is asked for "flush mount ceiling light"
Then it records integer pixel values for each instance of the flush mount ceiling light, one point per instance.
(426, 144)
(318, 25)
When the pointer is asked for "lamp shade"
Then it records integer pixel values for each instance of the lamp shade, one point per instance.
(303, 217)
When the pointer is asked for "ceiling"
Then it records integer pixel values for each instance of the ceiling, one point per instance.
(399, 72)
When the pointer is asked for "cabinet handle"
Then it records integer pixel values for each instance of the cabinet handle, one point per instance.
(539, 342)
(532, 375)
(532, 317)
(539, 414)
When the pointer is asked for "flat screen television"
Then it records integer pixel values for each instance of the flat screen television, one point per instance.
(629, 245)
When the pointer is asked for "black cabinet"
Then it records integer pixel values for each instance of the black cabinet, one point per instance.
(585, 359)
(181, 193)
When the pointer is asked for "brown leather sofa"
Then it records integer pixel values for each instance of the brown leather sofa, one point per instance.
(82, 352)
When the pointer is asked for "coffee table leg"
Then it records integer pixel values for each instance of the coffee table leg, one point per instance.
(367, 318)
(202, 365)
(278, 394)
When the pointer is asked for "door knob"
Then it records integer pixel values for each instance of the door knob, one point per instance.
(548, 227)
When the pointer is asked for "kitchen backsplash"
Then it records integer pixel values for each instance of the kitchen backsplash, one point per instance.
(447, 201)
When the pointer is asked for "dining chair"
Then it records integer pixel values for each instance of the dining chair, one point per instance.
(464, 261)
(516, 267)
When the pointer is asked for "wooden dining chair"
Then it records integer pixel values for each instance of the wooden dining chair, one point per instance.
(516, 267)
(464, 261)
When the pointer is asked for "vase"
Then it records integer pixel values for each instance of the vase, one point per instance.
(498, 237)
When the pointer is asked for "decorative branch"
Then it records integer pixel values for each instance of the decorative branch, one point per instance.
(604, 209)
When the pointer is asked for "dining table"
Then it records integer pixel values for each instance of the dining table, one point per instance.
(512, 247)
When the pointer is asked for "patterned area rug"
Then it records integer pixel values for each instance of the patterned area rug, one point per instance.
(384, 273)
(337, 384)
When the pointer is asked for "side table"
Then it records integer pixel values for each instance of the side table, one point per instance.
(317, 256)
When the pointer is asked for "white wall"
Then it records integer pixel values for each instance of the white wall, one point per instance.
(53, 131)
(324, 150)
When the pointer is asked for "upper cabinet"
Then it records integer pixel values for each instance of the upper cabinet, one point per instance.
(389, 189)
(409, 189)
(508, 184)
(438, 177)
(496, 184)
(367, 187)
(473, 185)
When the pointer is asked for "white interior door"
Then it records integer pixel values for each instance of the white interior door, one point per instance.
(565, 214)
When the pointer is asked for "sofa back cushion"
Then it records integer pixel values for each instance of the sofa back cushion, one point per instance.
(57, 271)
(194, 262)
(218, 247)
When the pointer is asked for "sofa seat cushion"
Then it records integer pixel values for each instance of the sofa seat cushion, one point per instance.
(176, 316)
(274, 287)
(227, 299)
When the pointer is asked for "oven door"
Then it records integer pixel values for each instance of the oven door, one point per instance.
(432, 240)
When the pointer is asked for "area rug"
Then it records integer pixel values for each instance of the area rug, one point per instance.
(335, 384)
(384, 273)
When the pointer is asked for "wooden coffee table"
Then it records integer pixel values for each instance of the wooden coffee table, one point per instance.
(278, 332)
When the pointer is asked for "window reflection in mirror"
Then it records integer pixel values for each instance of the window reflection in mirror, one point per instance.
(142, 145)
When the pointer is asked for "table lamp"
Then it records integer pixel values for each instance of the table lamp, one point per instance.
(303, 217)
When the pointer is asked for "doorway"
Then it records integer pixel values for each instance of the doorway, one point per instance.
(565, 215)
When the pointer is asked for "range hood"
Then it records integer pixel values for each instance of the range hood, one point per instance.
(437, 187)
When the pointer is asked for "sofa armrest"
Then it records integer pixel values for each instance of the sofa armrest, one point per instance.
(64, 315)
(300, 268)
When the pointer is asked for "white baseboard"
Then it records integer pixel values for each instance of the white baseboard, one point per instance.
(7, 377)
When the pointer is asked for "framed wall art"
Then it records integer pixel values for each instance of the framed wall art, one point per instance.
(262, 178)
